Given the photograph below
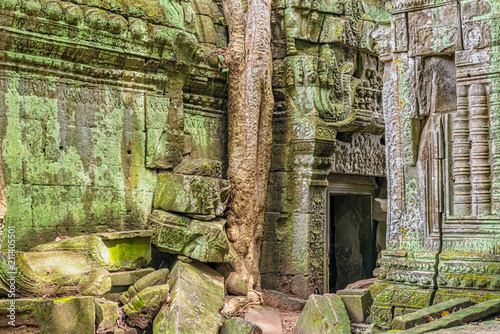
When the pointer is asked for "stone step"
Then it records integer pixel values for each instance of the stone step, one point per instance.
(422, 316)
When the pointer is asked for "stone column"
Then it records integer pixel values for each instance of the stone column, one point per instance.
(479, 136)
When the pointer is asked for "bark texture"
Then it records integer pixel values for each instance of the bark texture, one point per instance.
(250, 108)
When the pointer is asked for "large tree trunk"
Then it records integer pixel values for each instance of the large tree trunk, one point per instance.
(250, 108)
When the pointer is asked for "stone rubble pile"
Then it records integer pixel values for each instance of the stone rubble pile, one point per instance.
(105, 282)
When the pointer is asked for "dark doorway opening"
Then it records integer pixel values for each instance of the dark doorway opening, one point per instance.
(352, 253)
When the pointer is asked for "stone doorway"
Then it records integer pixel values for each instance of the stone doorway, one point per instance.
(351, 231)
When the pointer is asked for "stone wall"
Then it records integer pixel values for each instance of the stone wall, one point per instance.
(327, 80)
(441, 97)
(95, 99)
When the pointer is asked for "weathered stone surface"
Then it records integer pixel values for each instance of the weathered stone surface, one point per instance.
(97, 103)
(269, 321)
(57, 273)
(144, 306)
(66, 315)
(191, 194)
(484, 327)
(34, 314)
(127, 278)
(379, 212)
(357, 303)
(201, 167)
(240, 326)
(158, 277)
(106, 315)
(434, 30)
(164, 131)
(472, 313)
(232, 280)
(323, 314)
(197, 296)
(204, 241)
(282, 301)
(114, 251)
(432, 312)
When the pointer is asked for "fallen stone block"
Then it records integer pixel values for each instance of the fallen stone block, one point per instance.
(32, 314)
(58, 316)
(323, 314)
(52, 274)
(114, 293)
(282, 301)
(232, 280)
(201, 167)
(191, 194)
(106, 315)
(128, 278)
(114, 251)
(73, 315)
(155, 278)
(145, 305)
(240, 326)
(200, 240)
(269, 321)
(472, 313)
(197, 296)
(422, 316)
(357, 303)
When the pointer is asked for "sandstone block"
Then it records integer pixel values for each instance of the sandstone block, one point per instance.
(200, 167)
(240, 326)
(323, 314)
(55, 273)
(197, 296)
(357, 303)
(115, 251)
(106, 315)
(59, 316)
(282, 301)
(129, 277)
(200, 240)
(158, 277)
(269, 321)
(232, 280)
(145, 305)
(191, 194)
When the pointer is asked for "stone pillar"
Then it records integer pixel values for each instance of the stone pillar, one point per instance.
(480, 152)
(461, 156)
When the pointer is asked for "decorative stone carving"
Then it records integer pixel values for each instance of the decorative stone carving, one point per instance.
(204, 241)
(363, 155)
(191, 194)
